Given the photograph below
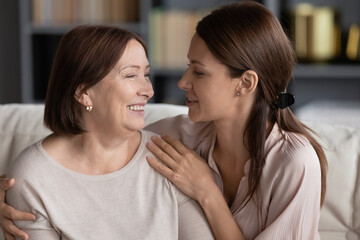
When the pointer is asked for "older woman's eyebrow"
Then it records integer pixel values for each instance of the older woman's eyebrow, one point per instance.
(134, 66)
(118, 70)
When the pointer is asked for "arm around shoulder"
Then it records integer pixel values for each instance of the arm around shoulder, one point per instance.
(24, 197)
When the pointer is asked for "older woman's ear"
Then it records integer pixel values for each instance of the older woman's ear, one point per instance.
(83, 97)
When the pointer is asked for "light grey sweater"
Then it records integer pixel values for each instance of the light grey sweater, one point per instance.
(135, 202)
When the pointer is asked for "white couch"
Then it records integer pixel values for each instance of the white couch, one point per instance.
(21, 125)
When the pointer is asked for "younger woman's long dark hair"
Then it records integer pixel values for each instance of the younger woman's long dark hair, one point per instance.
(247, 36)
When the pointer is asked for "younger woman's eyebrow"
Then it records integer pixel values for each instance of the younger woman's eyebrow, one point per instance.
(197, 62)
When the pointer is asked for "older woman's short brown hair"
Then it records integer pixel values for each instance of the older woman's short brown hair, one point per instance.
(84, 57)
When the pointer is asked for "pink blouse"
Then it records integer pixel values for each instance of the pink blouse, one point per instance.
(290, 184)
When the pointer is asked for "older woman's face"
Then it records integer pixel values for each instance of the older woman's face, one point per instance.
(119, 99)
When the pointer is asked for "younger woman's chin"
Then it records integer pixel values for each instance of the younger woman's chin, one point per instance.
(194, 117)
(141, 127)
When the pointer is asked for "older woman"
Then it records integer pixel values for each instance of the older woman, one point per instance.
(89, 179)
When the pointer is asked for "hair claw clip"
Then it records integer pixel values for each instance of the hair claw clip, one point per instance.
(285, 100)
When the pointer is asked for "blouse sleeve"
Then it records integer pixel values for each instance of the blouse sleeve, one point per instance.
(294, 207)
(177, 127)
(194, 135)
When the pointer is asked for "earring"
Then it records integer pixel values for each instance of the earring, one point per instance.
(89, 108)
(237, 93)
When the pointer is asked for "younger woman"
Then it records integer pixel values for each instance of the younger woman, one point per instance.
(267, 175)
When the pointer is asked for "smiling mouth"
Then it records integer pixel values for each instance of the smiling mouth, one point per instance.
(192, 100)
(135, 108)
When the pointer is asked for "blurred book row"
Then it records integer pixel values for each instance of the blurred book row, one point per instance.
(170, 33)
(319, 37)
(316, 31)
(57, 12)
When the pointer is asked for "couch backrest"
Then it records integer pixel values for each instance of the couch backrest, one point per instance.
(21, 125)
(340, 215)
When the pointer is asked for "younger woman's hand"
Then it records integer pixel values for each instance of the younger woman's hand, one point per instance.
(8, 213)
(182, 166)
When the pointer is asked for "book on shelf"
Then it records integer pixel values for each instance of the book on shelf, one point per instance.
(57, 12)
(170, 35)
(316, 32)
(353, 43)
(42, 12)
(61, 11)
(124, 11)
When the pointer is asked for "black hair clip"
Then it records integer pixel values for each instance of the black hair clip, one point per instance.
(285, 100)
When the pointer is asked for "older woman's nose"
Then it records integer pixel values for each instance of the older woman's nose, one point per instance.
(146, 90)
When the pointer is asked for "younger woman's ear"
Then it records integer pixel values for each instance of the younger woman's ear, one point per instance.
(247, 82)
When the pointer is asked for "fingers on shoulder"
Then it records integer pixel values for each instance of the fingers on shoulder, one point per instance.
(6, 183)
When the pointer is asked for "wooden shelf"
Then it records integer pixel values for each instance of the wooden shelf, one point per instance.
(327, 71)
(64, 28)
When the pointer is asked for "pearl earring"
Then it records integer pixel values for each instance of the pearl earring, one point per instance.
(238, 94)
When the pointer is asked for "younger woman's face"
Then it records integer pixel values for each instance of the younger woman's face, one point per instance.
(210, 90)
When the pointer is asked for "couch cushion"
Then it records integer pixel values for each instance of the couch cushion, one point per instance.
(340, 215)
(20, 126)
(331, 111)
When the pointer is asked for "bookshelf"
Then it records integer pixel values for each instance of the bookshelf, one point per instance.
(44, 22)
(332, 79)
(335, 79)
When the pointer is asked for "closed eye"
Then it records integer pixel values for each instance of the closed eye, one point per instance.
(130, 76)
(197, 73)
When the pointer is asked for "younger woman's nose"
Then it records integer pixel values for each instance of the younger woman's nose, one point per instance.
(185, 83)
